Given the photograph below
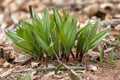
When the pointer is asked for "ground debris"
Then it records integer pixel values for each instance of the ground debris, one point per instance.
(8, 72)
(92, 68)
(22, 59)
(107, 12)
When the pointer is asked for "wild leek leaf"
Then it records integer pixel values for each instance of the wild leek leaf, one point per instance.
(67, 31)
(88, 37)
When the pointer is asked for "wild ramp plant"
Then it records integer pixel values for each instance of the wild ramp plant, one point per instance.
(33, 37)
(46, 35)
(54, 34)
(67, 32)
(88, 37)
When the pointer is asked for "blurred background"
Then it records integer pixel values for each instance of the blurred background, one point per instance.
(12, 11)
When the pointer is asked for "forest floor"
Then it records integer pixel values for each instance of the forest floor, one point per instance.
(14, 64)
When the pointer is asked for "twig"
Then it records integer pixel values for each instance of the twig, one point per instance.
(109, 22)
(68, 68)
(72, 55)
(1, 53)
(5, 74)
(31, 12)
(78, 77)
(48, 69)
(62, 69)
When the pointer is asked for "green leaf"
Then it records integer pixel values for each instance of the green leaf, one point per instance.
(98, 37)
(93, 31)
(88, 37)
(67, 33)
(58, 19)
(38, 22)
(46, 24)
(83, 28)
(58, 68)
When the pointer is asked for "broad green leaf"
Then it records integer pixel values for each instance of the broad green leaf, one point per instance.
(58, 19)
(88, 37)
(93, 31)
(38, 22)
(83, 28)
(46, 24)
(98, 37)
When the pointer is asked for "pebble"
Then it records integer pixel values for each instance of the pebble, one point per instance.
(92, 68)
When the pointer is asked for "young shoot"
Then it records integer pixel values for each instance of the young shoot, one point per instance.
(112, 57)
(88, 37)
(101, 56)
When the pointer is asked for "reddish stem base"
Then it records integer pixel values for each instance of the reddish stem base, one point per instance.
(80, 57)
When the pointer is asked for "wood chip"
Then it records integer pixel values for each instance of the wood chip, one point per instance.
(5, 74)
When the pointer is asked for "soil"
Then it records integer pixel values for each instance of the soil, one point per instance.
(12, 11)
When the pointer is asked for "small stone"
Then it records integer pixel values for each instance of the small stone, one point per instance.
(6, 64)
(57, 77)
(117, 16)
(34, 72)
(117, 27)
(49, 74)
(92, 68)
(1, 70)
(34, 64)
(93, 55)
(22, 58)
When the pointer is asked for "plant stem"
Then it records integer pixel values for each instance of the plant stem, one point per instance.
(63, 55)
(72, 54)
(112, 57)
(67, 58)
(80, 56)
(1, 53)
(101, 56)
(31, 12)
(46, 60)
(77, 54)
(68, 68)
